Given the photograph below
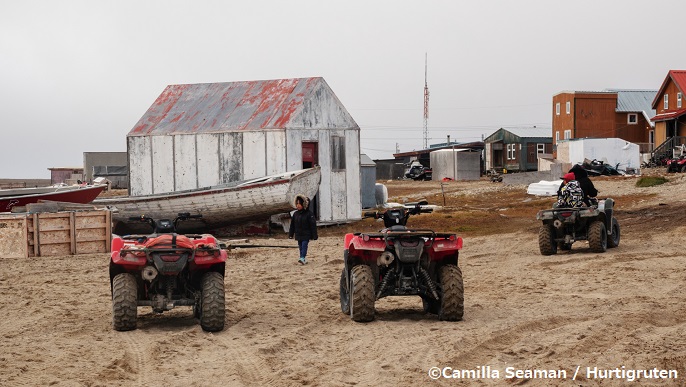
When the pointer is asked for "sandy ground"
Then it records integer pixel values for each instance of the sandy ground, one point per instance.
(622, 308)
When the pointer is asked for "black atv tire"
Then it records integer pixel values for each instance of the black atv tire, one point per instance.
(362, 294)
(546, 240)
(124, 302)
(613, 240)
(597, 237)
(452, 300)
(344, 294)
(213, 308)
(683, 168)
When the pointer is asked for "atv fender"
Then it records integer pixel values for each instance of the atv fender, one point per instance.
(346, 268)
(372, 244)
(448, 244)
(607, 208)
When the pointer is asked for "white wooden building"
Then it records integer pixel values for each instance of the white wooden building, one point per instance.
(200, 135)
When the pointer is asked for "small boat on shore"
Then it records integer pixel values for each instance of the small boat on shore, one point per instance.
(19, 197)
(220, 205)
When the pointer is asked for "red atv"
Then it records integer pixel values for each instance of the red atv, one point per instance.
(398, 261)
(677, 164)
(164, 270)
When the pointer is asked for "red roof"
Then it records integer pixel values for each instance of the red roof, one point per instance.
(676, 76)
(669, 115)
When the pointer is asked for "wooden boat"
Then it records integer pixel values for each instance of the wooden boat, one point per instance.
(20, 197)
(220, 205)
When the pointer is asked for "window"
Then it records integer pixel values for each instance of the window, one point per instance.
(678, 100)
(632, 118)
(337, 153)
(557, 135)
(557, 109)
(540, 148)
(511, 151)
(569, 107)
(666, 105)
(568, 134)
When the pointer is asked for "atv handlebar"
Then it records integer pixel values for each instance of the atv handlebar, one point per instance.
(149, 220)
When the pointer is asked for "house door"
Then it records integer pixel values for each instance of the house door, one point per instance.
(671, 128)
(311, 159)
(310, 154)
(498, 156)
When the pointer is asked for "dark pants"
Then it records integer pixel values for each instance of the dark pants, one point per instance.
(303, 247)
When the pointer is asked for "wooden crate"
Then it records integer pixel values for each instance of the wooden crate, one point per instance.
(55, 233)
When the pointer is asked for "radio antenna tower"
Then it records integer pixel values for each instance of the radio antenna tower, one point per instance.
(426, 105)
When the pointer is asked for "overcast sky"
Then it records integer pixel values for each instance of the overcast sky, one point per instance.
(75, 76)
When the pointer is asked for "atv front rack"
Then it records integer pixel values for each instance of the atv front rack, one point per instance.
(583, 212)
(429, 235)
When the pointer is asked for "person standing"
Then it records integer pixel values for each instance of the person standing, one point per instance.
(303, 226)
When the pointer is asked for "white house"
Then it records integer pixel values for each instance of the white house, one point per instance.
(200, 135)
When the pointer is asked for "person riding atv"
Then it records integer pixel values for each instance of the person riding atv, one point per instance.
(571, 221)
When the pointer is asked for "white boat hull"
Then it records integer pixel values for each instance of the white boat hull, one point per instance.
(219, 206)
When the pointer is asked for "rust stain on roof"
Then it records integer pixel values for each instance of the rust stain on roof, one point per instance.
(233, 106)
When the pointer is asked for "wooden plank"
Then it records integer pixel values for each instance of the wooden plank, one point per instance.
(52, 250)
(72, 232)
(276, 152)
(108, 231)
(231, 157)
(352, 178)
(254, 154)
(325, 186)
(90, 238)
(339, 208)
(13, 236)
(294, 156)
(185, 172)
(54, 227)
(208, 159)
(36, 236)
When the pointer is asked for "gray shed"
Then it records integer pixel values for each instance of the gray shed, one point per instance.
(367, 181)
(110, 165)
(200, 135)
(455, 164)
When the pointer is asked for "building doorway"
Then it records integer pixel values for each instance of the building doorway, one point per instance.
(310, 154)
(311, 159)
(671, 128)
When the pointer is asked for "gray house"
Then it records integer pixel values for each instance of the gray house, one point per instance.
(199, 135)
(517, 149)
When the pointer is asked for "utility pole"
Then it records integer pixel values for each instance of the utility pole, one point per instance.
(426, 103)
